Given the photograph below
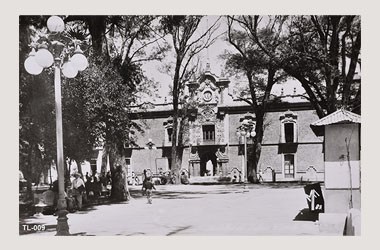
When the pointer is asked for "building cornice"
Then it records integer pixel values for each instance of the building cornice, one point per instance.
(227, 109)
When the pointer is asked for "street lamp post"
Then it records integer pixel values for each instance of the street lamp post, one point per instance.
(150, 146)
(245, 131)
(34, 65)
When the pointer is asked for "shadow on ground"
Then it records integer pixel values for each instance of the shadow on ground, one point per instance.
(306, 215)
(178, 230)
(170, 194)
(289, 185)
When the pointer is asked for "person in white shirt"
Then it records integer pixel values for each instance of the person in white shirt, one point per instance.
(78, 189)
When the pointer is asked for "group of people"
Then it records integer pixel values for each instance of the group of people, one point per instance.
(104, 178)
(74, 191)
(78, 190)
(97, 183)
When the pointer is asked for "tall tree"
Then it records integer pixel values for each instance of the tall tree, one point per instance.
(36, 103)
(315, 50)
(259, 70)
(95, 103)
(187, 44)
(115, 81)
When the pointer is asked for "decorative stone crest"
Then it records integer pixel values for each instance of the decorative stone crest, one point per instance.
(207, 114)
(288, 116)
(207, 84)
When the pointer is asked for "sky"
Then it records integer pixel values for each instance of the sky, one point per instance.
(211, 55)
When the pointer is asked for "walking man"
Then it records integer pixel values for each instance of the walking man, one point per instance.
(148, 186)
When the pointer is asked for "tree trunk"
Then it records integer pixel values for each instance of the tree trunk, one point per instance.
(104, 162)
(119, 189)
(119, 186)
(258, 141)
(306, 85)
(97, 28)
(351, 73)
(28, 174)
(176, 155)
(175, 164)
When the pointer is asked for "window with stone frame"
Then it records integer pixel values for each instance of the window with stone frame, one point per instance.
(288, 127)
(289, 132)
(168, 126)
(208, 132)
(289, 165)
(169, 133)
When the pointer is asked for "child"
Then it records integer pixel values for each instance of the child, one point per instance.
(148, 186)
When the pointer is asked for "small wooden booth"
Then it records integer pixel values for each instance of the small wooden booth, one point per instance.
(341, 131)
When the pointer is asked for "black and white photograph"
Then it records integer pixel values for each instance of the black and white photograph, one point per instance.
(189, 125)
(167, 125)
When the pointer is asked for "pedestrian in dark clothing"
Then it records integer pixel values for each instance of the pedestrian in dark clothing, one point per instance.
(144, 180)
(109, 178)
(148, 187)
(88, 178)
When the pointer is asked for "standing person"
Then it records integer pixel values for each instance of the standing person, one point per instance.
(109, 177)
(260, 176)
(78, 189)
(88, 178)
(149, 186)
(144, 180)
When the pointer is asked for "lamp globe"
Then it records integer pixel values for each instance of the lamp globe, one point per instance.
(43, 56)
(78, 60)
(69, 70)
(30, 64)
(55, 24)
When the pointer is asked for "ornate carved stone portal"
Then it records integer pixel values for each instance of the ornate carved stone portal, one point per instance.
(207, 147)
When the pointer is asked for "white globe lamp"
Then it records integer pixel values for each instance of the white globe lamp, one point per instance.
(69, 70)
(43, 56)
(78, 60)
(55, 24)
(30, 64)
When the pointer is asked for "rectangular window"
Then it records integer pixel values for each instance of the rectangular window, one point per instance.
(170, 163)
(208, 132)
(289, 166)
(170, 133)
(289, 132)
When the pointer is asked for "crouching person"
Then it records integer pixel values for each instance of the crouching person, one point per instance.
(78, 190)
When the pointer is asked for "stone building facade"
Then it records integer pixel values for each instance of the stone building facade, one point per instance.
(211, 144)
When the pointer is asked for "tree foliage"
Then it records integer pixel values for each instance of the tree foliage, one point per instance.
(37, 146)
(96, 104)
(115, 80)
(187, 44)
(260, 72)
(321, 52)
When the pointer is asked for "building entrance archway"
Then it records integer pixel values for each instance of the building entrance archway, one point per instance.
(208, 164)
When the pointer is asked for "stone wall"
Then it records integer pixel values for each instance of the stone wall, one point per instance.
(308, 149)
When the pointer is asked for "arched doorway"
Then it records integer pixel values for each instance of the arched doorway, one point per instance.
(208, 164)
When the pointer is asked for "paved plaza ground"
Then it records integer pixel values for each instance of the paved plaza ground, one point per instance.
(196, 210)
